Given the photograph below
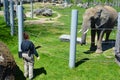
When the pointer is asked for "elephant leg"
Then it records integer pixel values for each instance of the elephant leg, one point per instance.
(99, 43)
(107, 35)
(92, 46)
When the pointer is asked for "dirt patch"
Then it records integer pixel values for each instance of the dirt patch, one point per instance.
(42, 20)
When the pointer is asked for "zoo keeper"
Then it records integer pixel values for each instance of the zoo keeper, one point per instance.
(28, 52)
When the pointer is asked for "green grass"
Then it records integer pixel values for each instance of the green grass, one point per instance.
(54, 54)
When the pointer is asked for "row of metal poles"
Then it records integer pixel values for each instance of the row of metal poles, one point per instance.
(10, 11)
(9, 18)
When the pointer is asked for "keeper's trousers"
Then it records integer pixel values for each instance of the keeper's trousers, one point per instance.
(28, 68)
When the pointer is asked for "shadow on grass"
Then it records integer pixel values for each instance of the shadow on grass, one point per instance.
(81, 62)
(89, 52)
(105, 46)
(39, 71)
(19, 74)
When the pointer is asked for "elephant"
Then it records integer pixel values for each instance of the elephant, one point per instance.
(101, 19)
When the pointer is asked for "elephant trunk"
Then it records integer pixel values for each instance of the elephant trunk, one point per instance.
(85, 27)
(83, 39)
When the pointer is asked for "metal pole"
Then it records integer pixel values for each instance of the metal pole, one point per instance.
(5, 15)
(117, 42)
(0, 4)
(74, 22)
(118, 21)
(21, 2)
(20, 27)
(6, 11)
(11, 17)
(31, 8)
(16, 9)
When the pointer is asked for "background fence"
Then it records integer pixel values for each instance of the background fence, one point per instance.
(87, 2)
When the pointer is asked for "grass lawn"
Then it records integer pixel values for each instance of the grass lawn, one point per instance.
(54, 54)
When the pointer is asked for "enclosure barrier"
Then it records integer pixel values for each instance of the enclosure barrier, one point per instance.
(117, 43)
(20, 27)
(11, 17)
(6, 12)
(31, 8)
(73, 35)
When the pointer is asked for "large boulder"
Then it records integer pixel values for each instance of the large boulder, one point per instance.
(38, 11)
(43, 11)
(47, 12)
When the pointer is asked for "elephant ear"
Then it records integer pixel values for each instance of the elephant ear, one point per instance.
(102, 18)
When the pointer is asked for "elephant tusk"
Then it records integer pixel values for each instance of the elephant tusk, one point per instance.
(86, 31)
(79, 30)
(1, 58)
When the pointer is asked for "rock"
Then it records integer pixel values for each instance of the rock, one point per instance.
(37, 11)
(43, 11)
(65, 37)
(47, 12)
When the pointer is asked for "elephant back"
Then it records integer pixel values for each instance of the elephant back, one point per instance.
(113, 13)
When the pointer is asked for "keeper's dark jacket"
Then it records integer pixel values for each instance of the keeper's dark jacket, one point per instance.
(28, 45)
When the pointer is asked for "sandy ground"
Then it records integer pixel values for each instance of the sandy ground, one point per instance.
(42, 20)
(39, 20)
